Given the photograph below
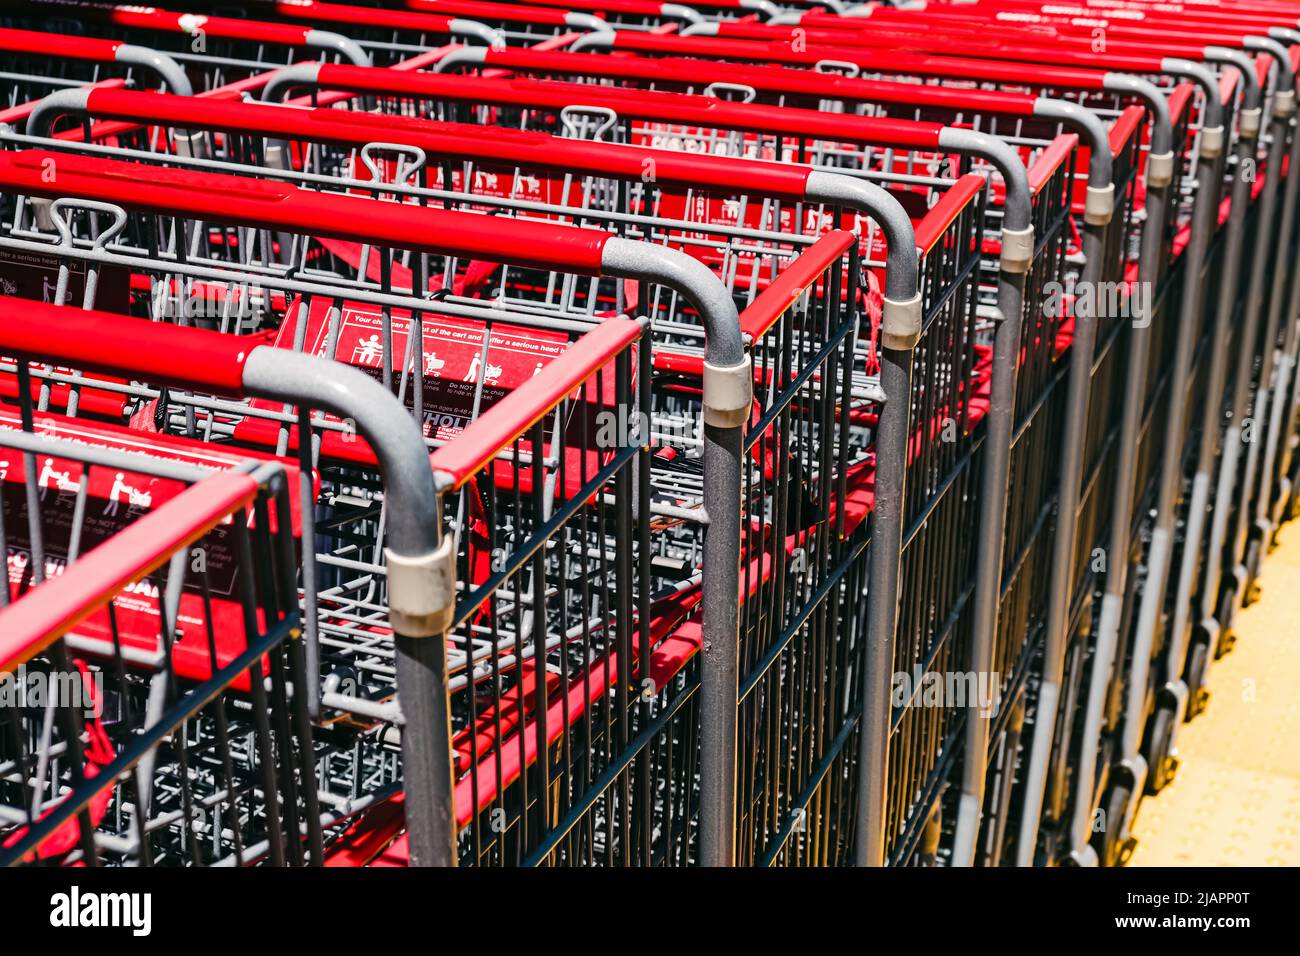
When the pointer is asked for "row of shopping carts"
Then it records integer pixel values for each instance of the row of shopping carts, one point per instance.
(385, 388)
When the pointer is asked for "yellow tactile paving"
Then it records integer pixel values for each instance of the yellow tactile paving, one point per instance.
(1236, 800)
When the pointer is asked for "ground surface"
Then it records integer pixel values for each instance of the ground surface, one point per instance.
(1236, 800)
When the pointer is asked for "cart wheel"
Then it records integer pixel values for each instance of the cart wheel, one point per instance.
(1225, 636)
(1163, 765)
(1111, 850)
(1198, 695)
(1251, 592)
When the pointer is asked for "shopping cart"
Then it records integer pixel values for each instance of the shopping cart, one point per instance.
(238, 784)
(617, 745)
(680, 118)
(121, 762)
(362, 141)
(714, 522)
(1145, 619)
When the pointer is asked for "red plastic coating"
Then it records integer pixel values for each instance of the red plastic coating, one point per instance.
(488, 11)
(237, 200)
(227, 28)
(761, 77)
(885, 61)
(350, 15)
(118, 345)
(640, 104)
(532, 149)
(36, 43)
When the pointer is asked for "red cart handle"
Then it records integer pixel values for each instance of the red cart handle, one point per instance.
(540, 14)
(489, 144)
(763, 77)
(643, 104)
(1014, 41)
(109, 344)
(352, 15)
(754, 51)
(226, 28)
(241, 201)
(36, 43)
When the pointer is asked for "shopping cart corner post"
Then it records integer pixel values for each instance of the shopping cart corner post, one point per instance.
(346, 47)
(46, 112)
(421, 574)
(1249, 119)
(1013, 268)
(492, 39)
(1274, 368)
(300, 74)
(900, 330)
(1238, 580)
(1160, 162)
(171, 72)
(1099, 209)
(1208, 174)
(461, 56)
(728, 402)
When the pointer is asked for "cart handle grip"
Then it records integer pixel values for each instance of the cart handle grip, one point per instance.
(238, 200)
(756, 51)
(488, 144)
(507, 13)
(643, 104)
(37, 43)
(760, 76)
(110, 344)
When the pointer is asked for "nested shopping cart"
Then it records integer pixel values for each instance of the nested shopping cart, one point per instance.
(588, 753)
(771, 298)
(667, 172)
(677, 122)
(106, 754)
(957, 68)
(671, 112)
(157, 577)
(1128, 30)
(351, 603)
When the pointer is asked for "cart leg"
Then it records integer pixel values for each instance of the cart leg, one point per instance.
(882, 614)
(1159, 557)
